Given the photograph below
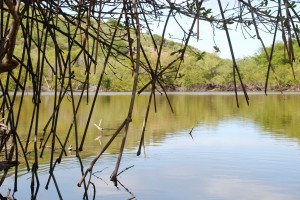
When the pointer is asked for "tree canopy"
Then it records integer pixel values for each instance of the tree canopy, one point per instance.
(65, 37)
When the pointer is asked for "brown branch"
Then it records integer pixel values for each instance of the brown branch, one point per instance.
(134, 88)
(9, 43)
(235, 67)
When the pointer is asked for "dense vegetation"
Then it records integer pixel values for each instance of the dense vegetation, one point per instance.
(200, 71)
(207, 71)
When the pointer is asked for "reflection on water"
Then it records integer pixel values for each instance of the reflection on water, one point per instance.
(237, 153)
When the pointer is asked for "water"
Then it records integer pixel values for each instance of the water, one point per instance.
(236, 153)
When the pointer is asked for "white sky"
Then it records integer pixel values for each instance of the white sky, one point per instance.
(242, 47)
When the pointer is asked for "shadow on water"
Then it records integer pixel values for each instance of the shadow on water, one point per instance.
(275, 115)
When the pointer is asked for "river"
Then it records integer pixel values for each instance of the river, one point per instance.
(251, 152)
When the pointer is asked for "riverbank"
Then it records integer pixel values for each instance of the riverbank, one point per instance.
(230, 88)
(207, 88)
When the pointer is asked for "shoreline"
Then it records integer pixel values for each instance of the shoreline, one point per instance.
(204, 89)
(249, 88)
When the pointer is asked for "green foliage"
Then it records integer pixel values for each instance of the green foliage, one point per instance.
(112, 22)
(210, 70)
(157, 39)
(198, 69)
(106, 83)
(121, 46)
(281, 65)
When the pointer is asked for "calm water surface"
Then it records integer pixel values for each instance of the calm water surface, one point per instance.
(236, 153)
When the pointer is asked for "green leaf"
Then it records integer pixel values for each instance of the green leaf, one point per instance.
(199, 56)
(217, 50)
